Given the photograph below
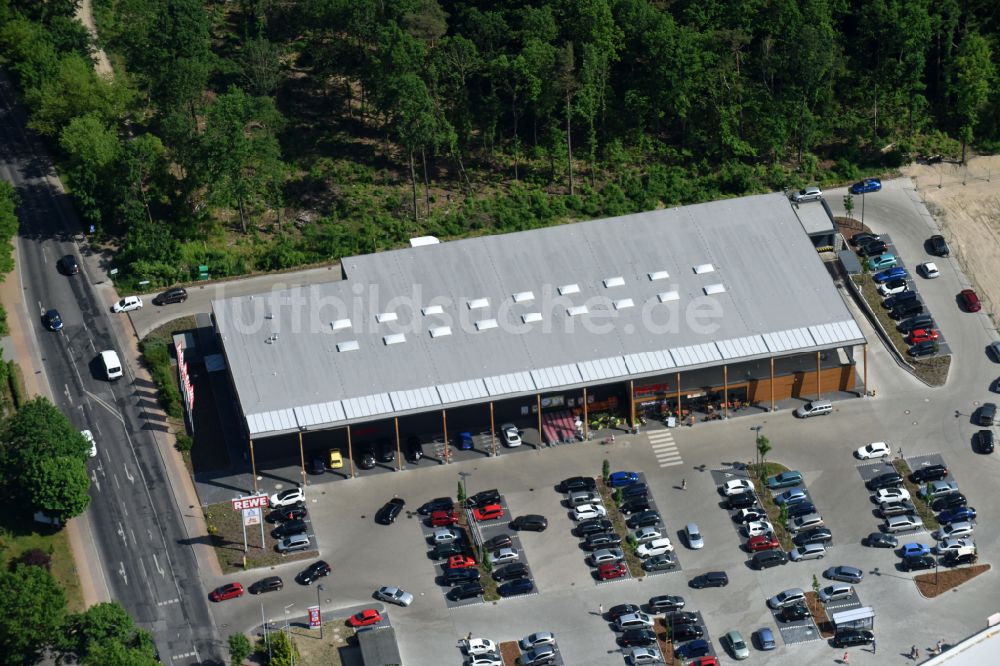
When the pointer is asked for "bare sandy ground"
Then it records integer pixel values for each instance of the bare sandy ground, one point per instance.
(85, 16)
(965, 201)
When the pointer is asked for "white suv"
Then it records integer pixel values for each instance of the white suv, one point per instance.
(811, 193)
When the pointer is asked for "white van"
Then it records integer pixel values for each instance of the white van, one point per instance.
(112, 366)
(814, 408)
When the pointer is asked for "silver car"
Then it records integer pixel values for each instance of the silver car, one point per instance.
(538, 639)
(394, 595)
(954, 531)
(607, 555)
(694, 538)
(811, 193)
(836, 592)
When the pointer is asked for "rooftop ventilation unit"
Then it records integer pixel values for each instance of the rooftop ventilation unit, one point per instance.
(614, 282)
(486, 324)
(712, 289)
(577, 310)
(440, 331)
(531, 317)
(432, 310)
(340, 324)
(668, 296)
(624, 303)
(477, 303)
(394, 339)
(701, 269)
(524, 296)
(347, 345)
(658, 275)
(383, 317)
(567, 289)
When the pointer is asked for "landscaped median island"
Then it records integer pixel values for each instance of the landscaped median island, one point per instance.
(920, 502)
(617, 519)
(933, 584)
(818, 611)
(758, 474)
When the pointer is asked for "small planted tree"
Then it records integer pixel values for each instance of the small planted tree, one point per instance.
(461, 493)
(763, 448)
(239, 648)
(849, 205)
(606, 469)
(784, 514)
(815, 584)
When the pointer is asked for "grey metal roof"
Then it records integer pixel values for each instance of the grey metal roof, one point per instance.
(282, 347)
(815, 216)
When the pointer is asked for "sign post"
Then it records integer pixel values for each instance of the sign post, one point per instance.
(252, 508)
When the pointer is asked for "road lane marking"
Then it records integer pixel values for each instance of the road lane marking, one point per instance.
(128, 474)
(121, 571)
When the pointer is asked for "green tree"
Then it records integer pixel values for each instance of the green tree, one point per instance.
(178, 34)
(849, 205)
(92, 147)
(239, 648)
(32, 612)
(106, 634)
(260, 63)
(76, 90)
(8, 225)
(57, 486)
(763, 448)
(283, 651)
(975, 74)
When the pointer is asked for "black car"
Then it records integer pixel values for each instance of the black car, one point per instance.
(794, 613)
(465, 591)
(314, 571)
(643, 519)
(174, 295)
(483, 498)
(414, 449)
(939, 246)
(929, 473)
(269, 584)
(907, 309)
(846, 638)
(637, 638)
(710, 579)
(922, 349)
(517, 586)
(291, 528)
(987, 414)
(920, 321)
(742, 500)
(601, 540)
(663, 562)
(52, 320)
(860, 238)
(616, 612)
(899, 299)
(576, 484)
(801, 509)
(686, 632)
(886, 480)
(458, 576)
(666, 603)
(388, 513)
(511, 572)
(443, 551)
(436, 504)
(815, 535)
(872, 248)
(386, 451)
(317, 466)
(953, 559)
(69, 265)
(984, 441)
(916, 562)
(287, 513)
(367, 459)
(950, 501)
(635, 505)
(530, 523)
(635, 490)
(681, 617)
(765, 559)
(880, 540)
(593, 526)
(498, 542)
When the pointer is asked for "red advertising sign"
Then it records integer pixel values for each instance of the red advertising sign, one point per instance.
(314, 618)
(255, 502)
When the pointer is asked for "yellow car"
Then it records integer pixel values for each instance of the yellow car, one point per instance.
(336, 459)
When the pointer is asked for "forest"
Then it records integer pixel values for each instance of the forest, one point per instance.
(254, 135)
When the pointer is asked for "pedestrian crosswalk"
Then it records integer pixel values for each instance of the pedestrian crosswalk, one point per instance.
(664, 448)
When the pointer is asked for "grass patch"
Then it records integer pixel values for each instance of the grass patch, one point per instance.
(155, 349)
(18, 535)
(617, 519)
(337, 637)
(922, 506)
(933, 584)
(226, 532)
(758, 474)
(932, 370)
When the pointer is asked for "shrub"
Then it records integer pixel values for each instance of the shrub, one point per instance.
(184, 442)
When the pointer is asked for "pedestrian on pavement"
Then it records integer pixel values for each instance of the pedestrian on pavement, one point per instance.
(873, 646)
(846, 659)
(684, 484)
(600, 609)
(468, 637)
(914, 652)
(939, 646)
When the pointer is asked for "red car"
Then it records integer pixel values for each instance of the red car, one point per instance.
(227, 591)
(704, 661)
(444, 518)
(611, 570)
(488, 512)
(919, 335)
(970, 300)
(365, 618)
(762, 542)
(460, 562)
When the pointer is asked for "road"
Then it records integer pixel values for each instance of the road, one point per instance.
(136, 528)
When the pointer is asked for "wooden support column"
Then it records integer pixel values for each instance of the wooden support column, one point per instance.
(819, 393)
(538, 402)
(631, 402)
(772, 383)
(493, 431)
(253, 467)
(680, 419)
(350, 451)
(302, 459)
(864, 380)
(444, 425)
(725, 391)
(399, 453)
(586, 418)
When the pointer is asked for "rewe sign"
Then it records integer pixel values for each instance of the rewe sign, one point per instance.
(255, 502)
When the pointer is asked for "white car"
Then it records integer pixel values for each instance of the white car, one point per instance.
(759, 528)
(478, 646)
(936, 489)
(655, 547)
(443, 535)
(89, 436)
(588, 511)
(511, 435)
(811, 193)
(644, 534)
(954, 531)
(953, 544)
(394, 595)
(504, 555)
(127, 304)
(892, 495)
(491, 659)
(735, 487)
(634, 620)
(929, 270)
(873, 450)
(289, 497)
(893, 287)
(643, 655)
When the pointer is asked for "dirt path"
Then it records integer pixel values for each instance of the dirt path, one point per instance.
(85, 16)
(965, 201)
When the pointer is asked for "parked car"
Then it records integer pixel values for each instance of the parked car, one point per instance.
(884, 495)
(666, 603)
(938, 489)
(741, 501)
(737, 647)
(537, 639)
(759, 528)
(366, 459)
(765, 639)
(172, 295)
(289, 497)
(789, 597)
(766, 559)
(577, 483)
(637, 637)
(959, 530)
(482, 498)
(460, 576)
(885, 480)
(900, 299)
(633, 621)
(952, 501)
(893, 273)
(488, 512)
(845, 638)
(289, 528)
(872, 248)
(881, 540)
(784, 480)
(920, 335)
(791, 497)
(511, 572)
(866, 186)
(642, 655)
(939, 246)
(530, 523)
(499, 541)
(654, 547)
(387, 514)
(970, 300)
(861, 237)
(921, 320)
(811, 193)
(749, 515)
(929, 473)
(808, 521)
(504, 555)
(465, 591)
(917, 562)
(696, 648)
(907, 309)
(510, 434)
(901, 508)
(644, 534)
(593, 526)
(873, 450)
(394, 595)
(762, 542)
(634, 505)
(956, 545)
(480, 646)
(892, 287)
(984, 441)
(315, 570)
(929, 270)
(460, 561)
(541, 656)
(923, 349)
(443, 551)
(414, 451)
(599, 557)
(269, 584)
(664, 562)
(710, 579)
(227, 591)
(836, 592)
(515, 587)
(619, 610)
(601, 540)
(589, 511)
(794, 613)
(686, 632)
(987, 414)
(127, 304)
(960, 514)
(365, 618)
(801, 510)
(881, 261)
(443, 535)
(954, 559)
(635, 490)
(293, 543)
(914, 549)
(735, 487)
(844, 574)
(444, 518)
(902, 523)
(643, 519)
(621, 479)
(810, 551)
(815, 535)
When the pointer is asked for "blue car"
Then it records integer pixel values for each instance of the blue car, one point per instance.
(52, 320)
(765, 639)
(796, 510)
(696, 648)
(620, 479)
(465, 441)
(519, 586)
(792, 497)
(915, 550)
(784, 480)
(866, 186)
(890, 274)
(959, 515)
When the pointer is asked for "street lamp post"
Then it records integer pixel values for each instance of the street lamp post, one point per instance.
(756, 429)
(288, 631)
(319, 605)
(267, 634)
